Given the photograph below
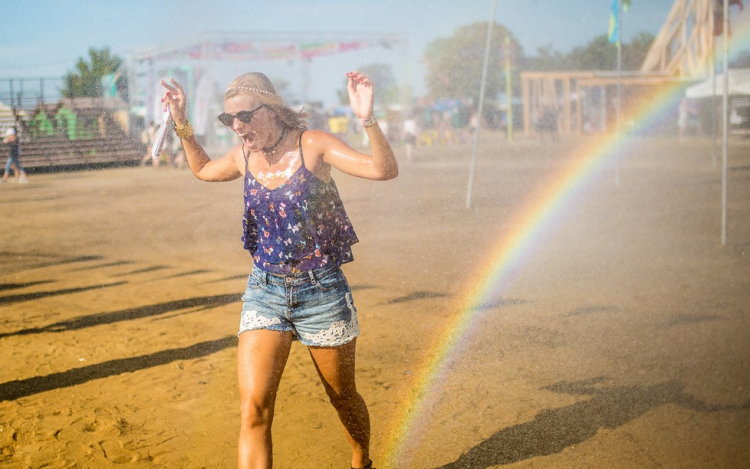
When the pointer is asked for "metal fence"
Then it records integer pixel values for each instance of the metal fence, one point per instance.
(28, 93)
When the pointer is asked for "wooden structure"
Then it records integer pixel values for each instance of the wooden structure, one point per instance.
(565, 93)
(685, 44)
(543, 90)
(682, 51)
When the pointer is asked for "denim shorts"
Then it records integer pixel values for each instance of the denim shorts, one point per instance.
(10, 161)
(316, 306)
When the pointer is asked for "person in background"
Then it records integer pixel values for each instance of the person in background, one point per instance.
(148, 136)
(410, 136)
(179, 154)
(11, 139)
(683, 114)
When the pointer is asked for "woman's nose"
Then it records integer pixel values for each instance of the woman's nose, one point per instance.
(236, 124)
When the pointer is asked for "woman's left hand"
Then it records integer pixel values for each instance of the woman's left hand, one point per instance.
(361, 94)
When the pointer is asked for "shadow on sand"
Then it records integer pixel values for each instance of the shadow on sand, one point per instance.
(28, 265)
(418, 295)
(130, 314)
(10, 299)
(556, 429)
(17, 389)
(16, 286)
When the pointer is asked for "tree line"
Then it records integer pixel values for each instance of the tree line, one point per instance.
(454, 64)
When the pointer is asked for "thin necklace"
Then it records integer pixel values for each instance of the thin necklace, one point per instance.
(270, 151)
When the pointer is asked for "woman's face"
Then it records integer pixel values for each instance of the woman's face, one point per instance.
(256, 134)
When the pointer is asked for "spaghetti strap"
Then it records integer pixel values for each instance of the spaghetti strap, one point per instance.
(302, 157)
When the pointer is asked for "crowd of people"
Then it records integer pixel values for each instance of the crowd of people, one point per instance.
(441, 123)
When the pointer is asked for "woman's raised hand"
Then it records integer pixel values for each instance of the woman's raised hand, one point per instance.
(175, 97)
(361, 94)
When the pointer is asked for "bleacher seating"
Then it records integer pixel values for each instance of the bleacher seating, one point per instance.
(86, 133)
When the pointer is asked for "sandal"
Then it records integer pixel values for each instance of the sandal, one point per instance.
(367, 466)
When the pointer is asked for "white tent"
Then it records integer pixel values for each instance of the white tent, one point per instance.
(739, 84)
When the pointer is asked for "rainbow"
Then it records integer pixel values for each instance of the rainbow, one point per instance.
(510, 252)
(740, 39)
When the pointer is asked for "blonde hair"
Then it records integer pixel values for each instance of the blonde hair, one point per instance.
(260, 87)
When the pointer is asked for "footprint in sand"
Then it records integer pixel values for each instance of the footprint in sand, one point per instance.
(106, 432)
(115, 453)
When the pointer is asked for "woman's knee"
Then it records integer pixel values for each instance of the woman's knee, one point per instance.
(344, 397)
(256, 413)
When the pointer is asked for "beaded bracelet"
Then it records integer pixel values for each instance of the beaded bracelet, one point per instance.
(369, 122)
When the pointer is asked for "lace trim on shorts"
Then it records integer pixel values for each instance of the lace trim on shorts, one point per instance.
(340, 332)
(251, 320)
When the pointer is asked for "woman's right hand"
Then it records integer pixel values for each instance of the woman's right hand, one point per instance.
(175, 97)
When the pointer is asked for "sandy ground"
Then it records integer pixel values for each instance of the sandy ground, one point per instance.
(622, 339)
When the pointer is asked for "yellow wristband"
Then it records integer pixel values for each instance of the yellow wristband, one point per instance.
(184, 131)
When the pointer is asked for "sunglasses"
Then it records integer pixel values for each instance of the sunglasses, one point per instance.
(244, 116)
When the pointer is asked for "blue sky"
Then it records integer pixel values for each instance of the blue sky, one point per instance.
(42, 38)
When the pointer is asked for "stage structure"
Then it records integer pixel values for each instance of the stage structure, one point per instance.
(194, 62)
(682, 51)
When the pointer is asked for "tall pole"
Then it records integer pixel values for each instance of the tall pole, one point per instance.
(508, 91)
(715, 120)
(619, 93)
(481, 103)
(725, 130)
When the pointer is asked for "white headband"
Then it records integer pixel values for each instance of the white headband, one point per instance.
(248, 88)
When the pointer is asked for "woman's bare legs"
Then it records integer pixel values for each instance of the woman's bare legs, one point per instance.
(335, 367)
(261, 357)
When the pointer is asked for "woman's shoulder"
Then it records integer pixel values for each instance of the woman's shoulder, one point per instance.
(313, 135)
(317, 140)
(236, 155)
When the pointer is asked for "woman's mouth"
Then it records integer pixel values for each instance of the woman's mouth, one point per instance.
(248, 138)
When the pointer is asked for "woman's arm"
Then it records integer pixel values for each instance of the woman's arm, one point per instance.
(229, 167)
(381, 164)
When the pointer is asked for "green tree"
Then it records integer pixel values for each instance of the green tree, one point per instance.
(282, 86)
(547, 59)
(598, 54)
(454, 64)
(635, 51)
(86, 80)
(386, 86)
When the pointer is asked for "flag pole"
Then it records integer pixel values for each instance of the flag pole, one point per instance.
(715, 120)
(725, 129)
(508, 92)
(481, 104)
(619, 93)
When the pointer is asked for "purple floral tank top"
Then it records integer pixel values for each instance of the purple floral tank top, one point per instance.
(298, 226)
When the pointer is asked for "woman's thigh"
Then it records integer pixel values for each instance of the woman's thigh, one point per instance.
(335, 366)
(261, 358)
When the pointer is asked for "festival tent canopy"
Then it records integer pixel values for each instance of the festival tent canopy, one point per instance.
(739, 84)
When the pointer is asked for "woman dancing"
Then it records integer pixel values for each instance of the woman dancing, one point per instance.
(298, 233)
